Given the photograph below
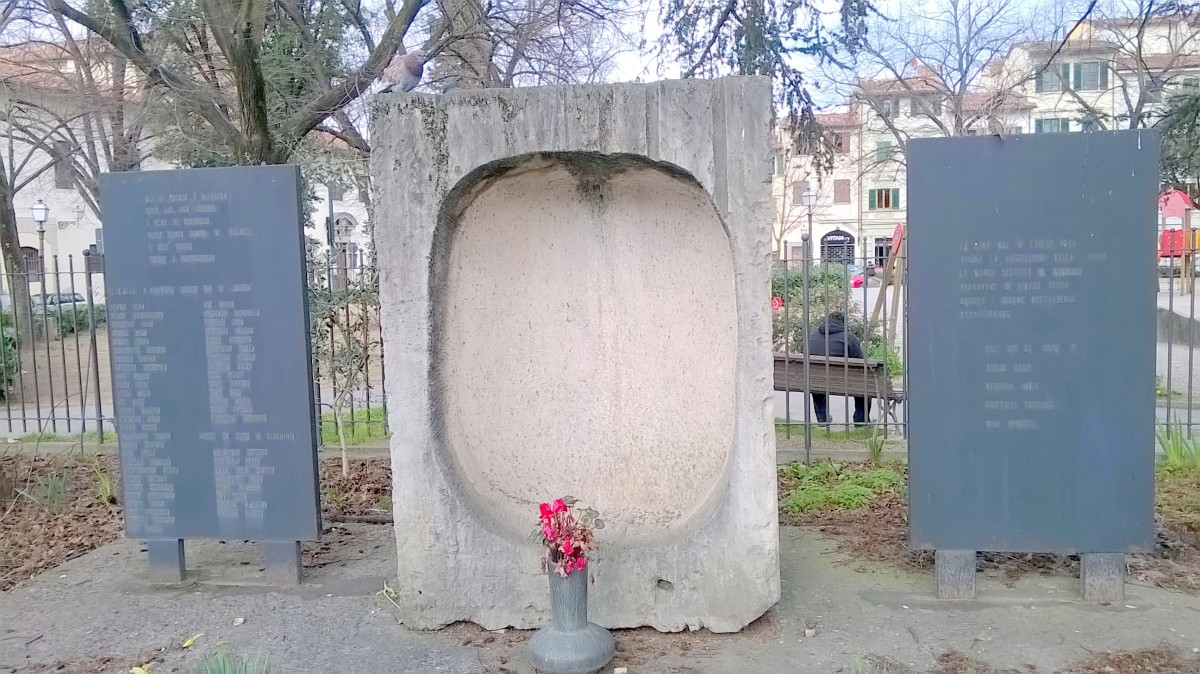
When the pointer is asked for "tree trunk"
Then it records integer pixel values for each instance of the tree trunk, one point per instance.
(10, 253)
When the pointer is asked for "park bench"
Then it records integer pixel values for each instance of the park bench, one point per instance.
(839, 376)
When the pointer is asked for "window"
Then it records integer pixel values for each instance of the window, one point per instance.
(841, 143)
(336, 192)
(1089, 124)
(926, 106)
(93, 260)
(1052, 79)
(1191, 82)
(33, 261)
(1052, 125)
(883, 248)
(776, 165)
(1091, 76)
(798, 189)
(1152, 92)
(883, 150)
(889, 107)
(841, 191)
(1014, 130)
(883, 198)
(64, 173)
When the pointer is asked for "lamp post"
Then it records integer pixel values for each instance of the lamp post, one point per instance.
(40, 213)
(809, 199)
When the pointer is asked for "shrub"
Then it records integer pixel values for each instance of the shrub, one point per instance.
(10, 352)
(75, 319)
(830, 485)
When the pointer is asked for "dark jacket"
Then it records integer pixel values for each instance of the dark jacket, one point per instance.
(832, 339)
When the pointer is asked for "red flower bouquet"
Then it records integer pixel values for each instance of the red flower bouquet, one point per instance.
(567, 532)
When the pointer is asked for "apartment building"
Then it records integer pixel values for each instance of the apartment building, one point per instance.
(1110, 74)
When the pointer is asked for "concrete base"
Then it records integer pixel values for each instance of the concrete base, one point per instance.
(283, 562)
(1102, 575)
(167, 564)
(955, 572)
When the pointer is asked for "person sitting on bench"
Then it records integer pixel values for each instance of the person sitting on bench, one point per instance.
(832, 339)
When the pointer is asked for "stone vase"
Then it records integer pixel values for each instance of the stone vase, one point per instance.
(570, 644)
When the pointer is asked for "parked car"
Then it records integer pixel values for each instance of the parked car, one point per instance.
(859, 274)
(54, 301)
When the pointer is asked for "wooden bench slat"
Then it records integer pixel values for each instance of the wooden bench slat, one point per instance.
(834, 375)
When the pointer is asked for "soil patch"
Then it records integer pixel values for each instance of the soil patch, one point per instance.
(59, 508)
(56, 508)
(878, 532)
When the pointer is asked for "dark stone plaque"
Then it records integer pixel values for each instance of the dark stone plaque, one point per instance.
(1031, 328)
(209, 341)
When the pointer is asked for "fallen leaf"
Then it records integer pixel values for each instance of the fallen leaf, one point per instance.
(192, 640)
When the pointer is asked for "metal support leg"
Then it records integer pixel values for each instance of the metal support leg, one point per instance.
(955, 572)
(283, 562)
(1103, 577)
(166, 560)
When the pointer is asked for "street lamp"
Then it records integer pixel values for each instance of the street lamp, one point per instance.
(809, 199)
(40, 213)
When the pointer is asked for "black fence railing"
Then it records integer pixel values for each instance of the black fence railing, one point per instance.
(54, 362)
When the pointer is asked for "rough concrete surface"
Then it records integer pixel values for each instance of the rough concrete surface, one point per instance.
(101, 604)
(582, 318)
(467, 488)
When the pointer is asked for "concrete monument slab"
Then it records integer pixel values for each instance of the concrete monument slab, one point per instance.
(574, 289)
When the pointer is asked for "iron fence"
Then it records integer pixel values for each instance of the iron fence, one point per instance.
(838, 338)
(55, 370)
(54, 362)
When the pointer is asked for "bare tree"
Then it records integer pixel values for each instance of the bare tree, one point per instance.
(947, 60)
(1147, 47)
(214, 68)
(511, 43)
(78, 103)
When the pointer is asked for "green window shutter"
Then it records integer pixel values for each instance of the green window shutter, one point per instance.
(871, 200)
(896, 198)
(1037, 126)
(1039, 85)
(1064, 124)
(882, 150)
(1078, 76)
(1066, 76)
(1103, 75)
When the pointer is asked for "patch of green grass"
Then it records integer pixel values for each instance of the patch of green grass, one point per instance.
(368, 424)
(826, 432)
(51, 490)
(106, 488)
(89, 438)
(1180, 450)
(832, 485)
(44, 436)
(226, 661)
(875, 443)
(1161, 391)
